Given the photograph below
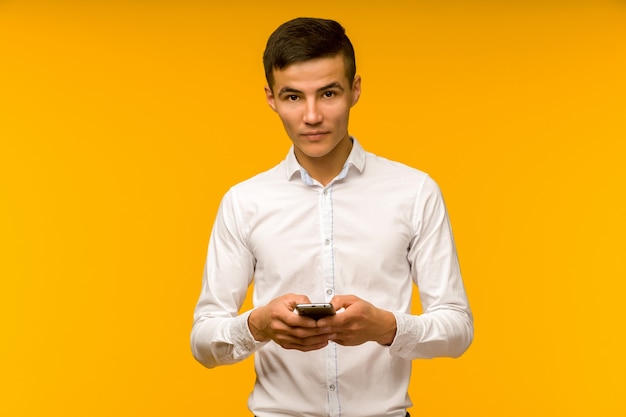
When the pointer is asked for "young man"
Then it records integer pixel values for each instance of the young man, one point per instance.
(331, 223)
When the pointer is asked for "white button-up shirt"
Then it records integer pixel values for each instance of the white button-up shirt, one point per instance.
(375, 230)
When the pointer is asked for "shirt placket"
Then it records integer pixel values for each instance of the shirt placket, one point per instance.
(327, 236)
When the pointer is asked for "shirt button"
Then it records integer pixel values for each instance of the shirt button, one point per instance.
(327, 242)
(332, 387)
(329, 291)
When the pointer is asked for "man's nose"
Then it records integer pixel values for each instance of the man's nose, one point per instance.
(312, 113)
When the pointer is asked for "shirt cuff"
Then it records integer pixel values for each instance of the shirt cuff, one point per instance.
(409, 332)
(241, 337)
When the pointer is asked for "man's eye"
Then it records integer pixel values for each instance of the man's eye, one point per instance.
(292, 98)
(329, 94)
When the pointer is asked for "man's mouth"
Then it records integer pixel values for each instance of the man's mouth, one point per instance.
(314, 135)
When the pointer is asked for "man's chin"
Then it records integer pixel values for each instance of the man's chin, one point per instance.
(313, 151)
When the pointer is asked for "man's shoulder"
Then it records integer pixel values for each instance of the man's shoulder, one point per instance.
(268, 178)
(394, 175)
(384, 166)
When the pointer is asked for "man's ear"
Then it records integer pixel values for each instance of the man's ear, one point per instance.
(356, 89)
(269, 96)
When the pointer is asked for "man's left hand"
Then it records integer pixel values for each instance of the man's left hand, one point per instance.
(360, 322)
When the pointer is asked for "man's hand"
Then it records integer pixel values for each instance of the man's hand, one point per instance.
(277, 321)
(360, 322)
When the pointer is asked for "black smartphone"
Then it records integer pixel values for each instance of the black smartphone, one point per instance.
(315, 310)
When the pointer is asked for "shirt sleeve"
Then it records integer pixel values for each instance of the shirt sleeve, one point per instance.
(220, 335)
(445, 327)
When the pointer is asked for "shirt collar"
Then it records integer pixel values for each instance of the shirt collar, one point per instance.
(356, 159)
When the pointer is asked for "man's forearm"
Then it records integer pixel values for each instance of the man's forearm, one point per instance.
(441, 333)
(222, 341)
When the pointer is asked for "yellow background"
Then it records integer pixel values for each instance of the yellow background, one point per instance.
(123, 123)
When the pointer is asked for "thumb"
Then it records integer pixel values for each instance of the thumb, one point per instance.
(343, 301)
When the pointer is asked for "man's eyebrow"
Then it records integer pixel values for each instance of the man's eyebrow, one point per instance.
(290, 90)
(330, 86)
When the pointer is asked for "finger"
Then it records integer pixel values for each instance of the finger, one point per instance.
(343, 301)
(306, 348)
(293, 299)
(295, 320)
(285, 330)
(315, 342)
(308, 333)
(328, 322)
(297, 326)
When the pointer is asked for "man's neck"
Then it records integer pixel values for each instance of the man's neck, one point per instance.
(324, 169)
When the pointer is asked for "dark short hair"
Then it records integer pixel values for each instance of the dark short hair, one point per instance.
(306, 38)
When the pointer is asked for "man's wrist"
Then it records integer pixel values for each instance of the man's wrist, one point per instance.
(388, 337)
(255, 329)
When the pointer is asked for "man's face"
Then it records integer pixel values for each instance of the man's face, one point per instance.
(313, 99)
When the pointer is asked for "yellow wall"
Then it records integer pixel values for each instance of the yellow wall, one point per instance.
(123, 123)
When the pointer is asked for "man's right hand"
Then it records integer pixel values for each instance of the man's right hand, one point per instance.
(277, 321)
